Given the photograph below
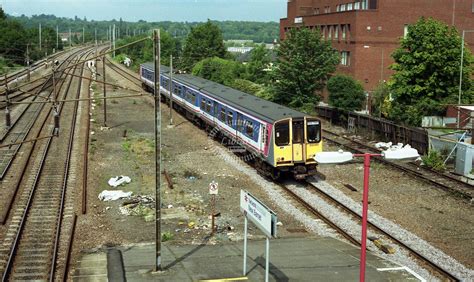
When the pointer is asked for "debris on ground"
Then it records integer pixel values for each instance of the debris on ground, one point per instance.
(140, 205)
(107, 195)
(119, 180)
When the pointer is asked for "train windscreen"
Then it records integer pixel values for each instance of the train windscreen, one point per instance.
(282, 133)
(313, 131)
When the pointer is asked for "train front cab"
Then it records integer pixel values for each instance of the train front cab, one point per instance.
(296, 141)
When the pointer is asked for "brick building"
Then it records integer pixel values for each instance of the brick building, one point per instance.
(366, 32)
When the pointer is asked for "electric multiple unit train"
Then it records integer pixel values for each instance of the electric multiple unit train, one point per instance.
(279, 138)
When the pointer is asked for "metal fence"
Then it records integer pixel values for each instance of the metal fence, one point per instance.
(377, 128)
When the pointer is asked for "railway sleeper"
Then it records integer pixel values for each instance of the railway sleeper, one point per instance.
(31, 268)
(28, 276)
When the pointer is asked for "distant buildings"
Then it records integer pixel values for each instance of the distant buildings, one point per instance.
(366, 32)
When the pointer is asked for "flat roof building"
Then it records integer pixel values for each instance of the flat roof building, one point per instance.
(366, 32)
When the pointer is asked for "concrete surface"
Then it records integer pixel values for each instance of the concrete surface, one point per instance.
(295, 259)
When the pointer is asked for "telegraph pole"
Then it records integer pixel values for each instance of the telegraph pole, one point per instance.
(113, 41)
(28, 61)
(171, 89)
(83, 35)
(95, 35)
(40, 36)
(105, 93)
(70, 38)
(57, 38)
(156, 37)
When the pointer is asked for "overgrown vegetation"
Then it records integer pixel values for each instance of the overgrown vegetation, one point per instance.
(434, 160)
(345, 93)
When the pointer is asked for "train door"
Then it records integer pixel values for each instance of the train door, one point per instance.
(298, 140)
(283, 148)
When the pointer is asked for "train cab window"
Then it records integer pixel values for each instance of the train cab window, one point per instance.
(298, 131)
(208, 107)
(222, 115)
(282, 133)
(230, 117)
(249, 128)
(313, 131)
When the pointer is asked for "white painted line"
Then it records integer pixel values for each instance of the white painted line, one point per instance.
(403, 268)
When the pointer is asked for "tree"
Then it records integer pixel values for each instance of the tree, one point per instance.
(345, 93)
(12, 41)
(427, 72)
(380, 100)
(305, 62)
(259, 61)
(3, 16)
(204, 41)
(218, 70)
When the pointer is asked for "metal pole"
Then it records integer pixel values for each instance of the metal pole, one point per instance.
(460, 77)
(213, 211)
(381, 67)
(157, 150)
(57, 38)
(245, 246)
(365, 207)
(83, 35)
(28, 76)
(113, 41)
(105, 92)
(70, 38)
(95, 35)
(40, 36)
(171, 101)
(267, 259)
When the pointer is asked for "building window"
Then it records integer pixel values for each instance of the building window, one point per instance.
(330, 32)
(336, 32)
(345, 58)
(343, 7)
(405, 31)
(349, 6)
(364, 4)
(356, 5)
(316, 11)
(338, 8)
(344, 32)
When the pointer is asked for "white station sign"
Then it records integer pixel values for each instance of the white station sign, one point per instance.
(258, 213)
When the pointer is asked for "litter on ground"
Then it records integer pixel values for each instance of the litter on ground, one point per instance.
(118, 180)
(107, 195)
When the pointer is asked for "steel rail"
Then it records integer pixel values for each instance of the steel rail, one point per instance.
(26, 211)
(417, 254)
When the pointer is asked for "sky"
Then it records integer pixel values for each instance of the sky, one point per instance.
(152, 10)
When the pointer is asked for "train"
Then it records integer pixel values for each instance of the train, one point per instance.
(279, 139)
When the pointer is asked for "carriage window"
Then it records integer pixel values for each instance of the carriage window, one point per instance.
(249, 128)
(208, 106)
(222, 115)
(282, 133)
(203, 104)
(193, 98)
(313, 131)
(230, 116)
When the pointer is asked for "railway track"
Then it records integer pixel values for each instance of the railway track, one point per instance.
(31, 247)
(435, 268)
(441, 180)
(125, 74)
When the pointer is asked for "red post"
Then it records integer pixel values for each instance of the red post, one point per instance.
(365, 209)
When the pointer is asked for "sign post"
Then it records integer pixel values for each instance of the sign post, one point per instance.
(264, 218)
(213, 190)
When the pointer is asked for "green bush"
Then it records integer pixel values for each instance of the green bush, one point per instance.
(167, 236)
(345, 93)
(434, 160)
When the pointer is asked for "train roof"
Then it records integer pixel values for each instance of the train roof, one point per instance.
(245, 102)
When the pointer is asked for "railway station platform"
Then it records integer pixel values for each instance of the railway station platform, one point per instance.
(291, 259)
